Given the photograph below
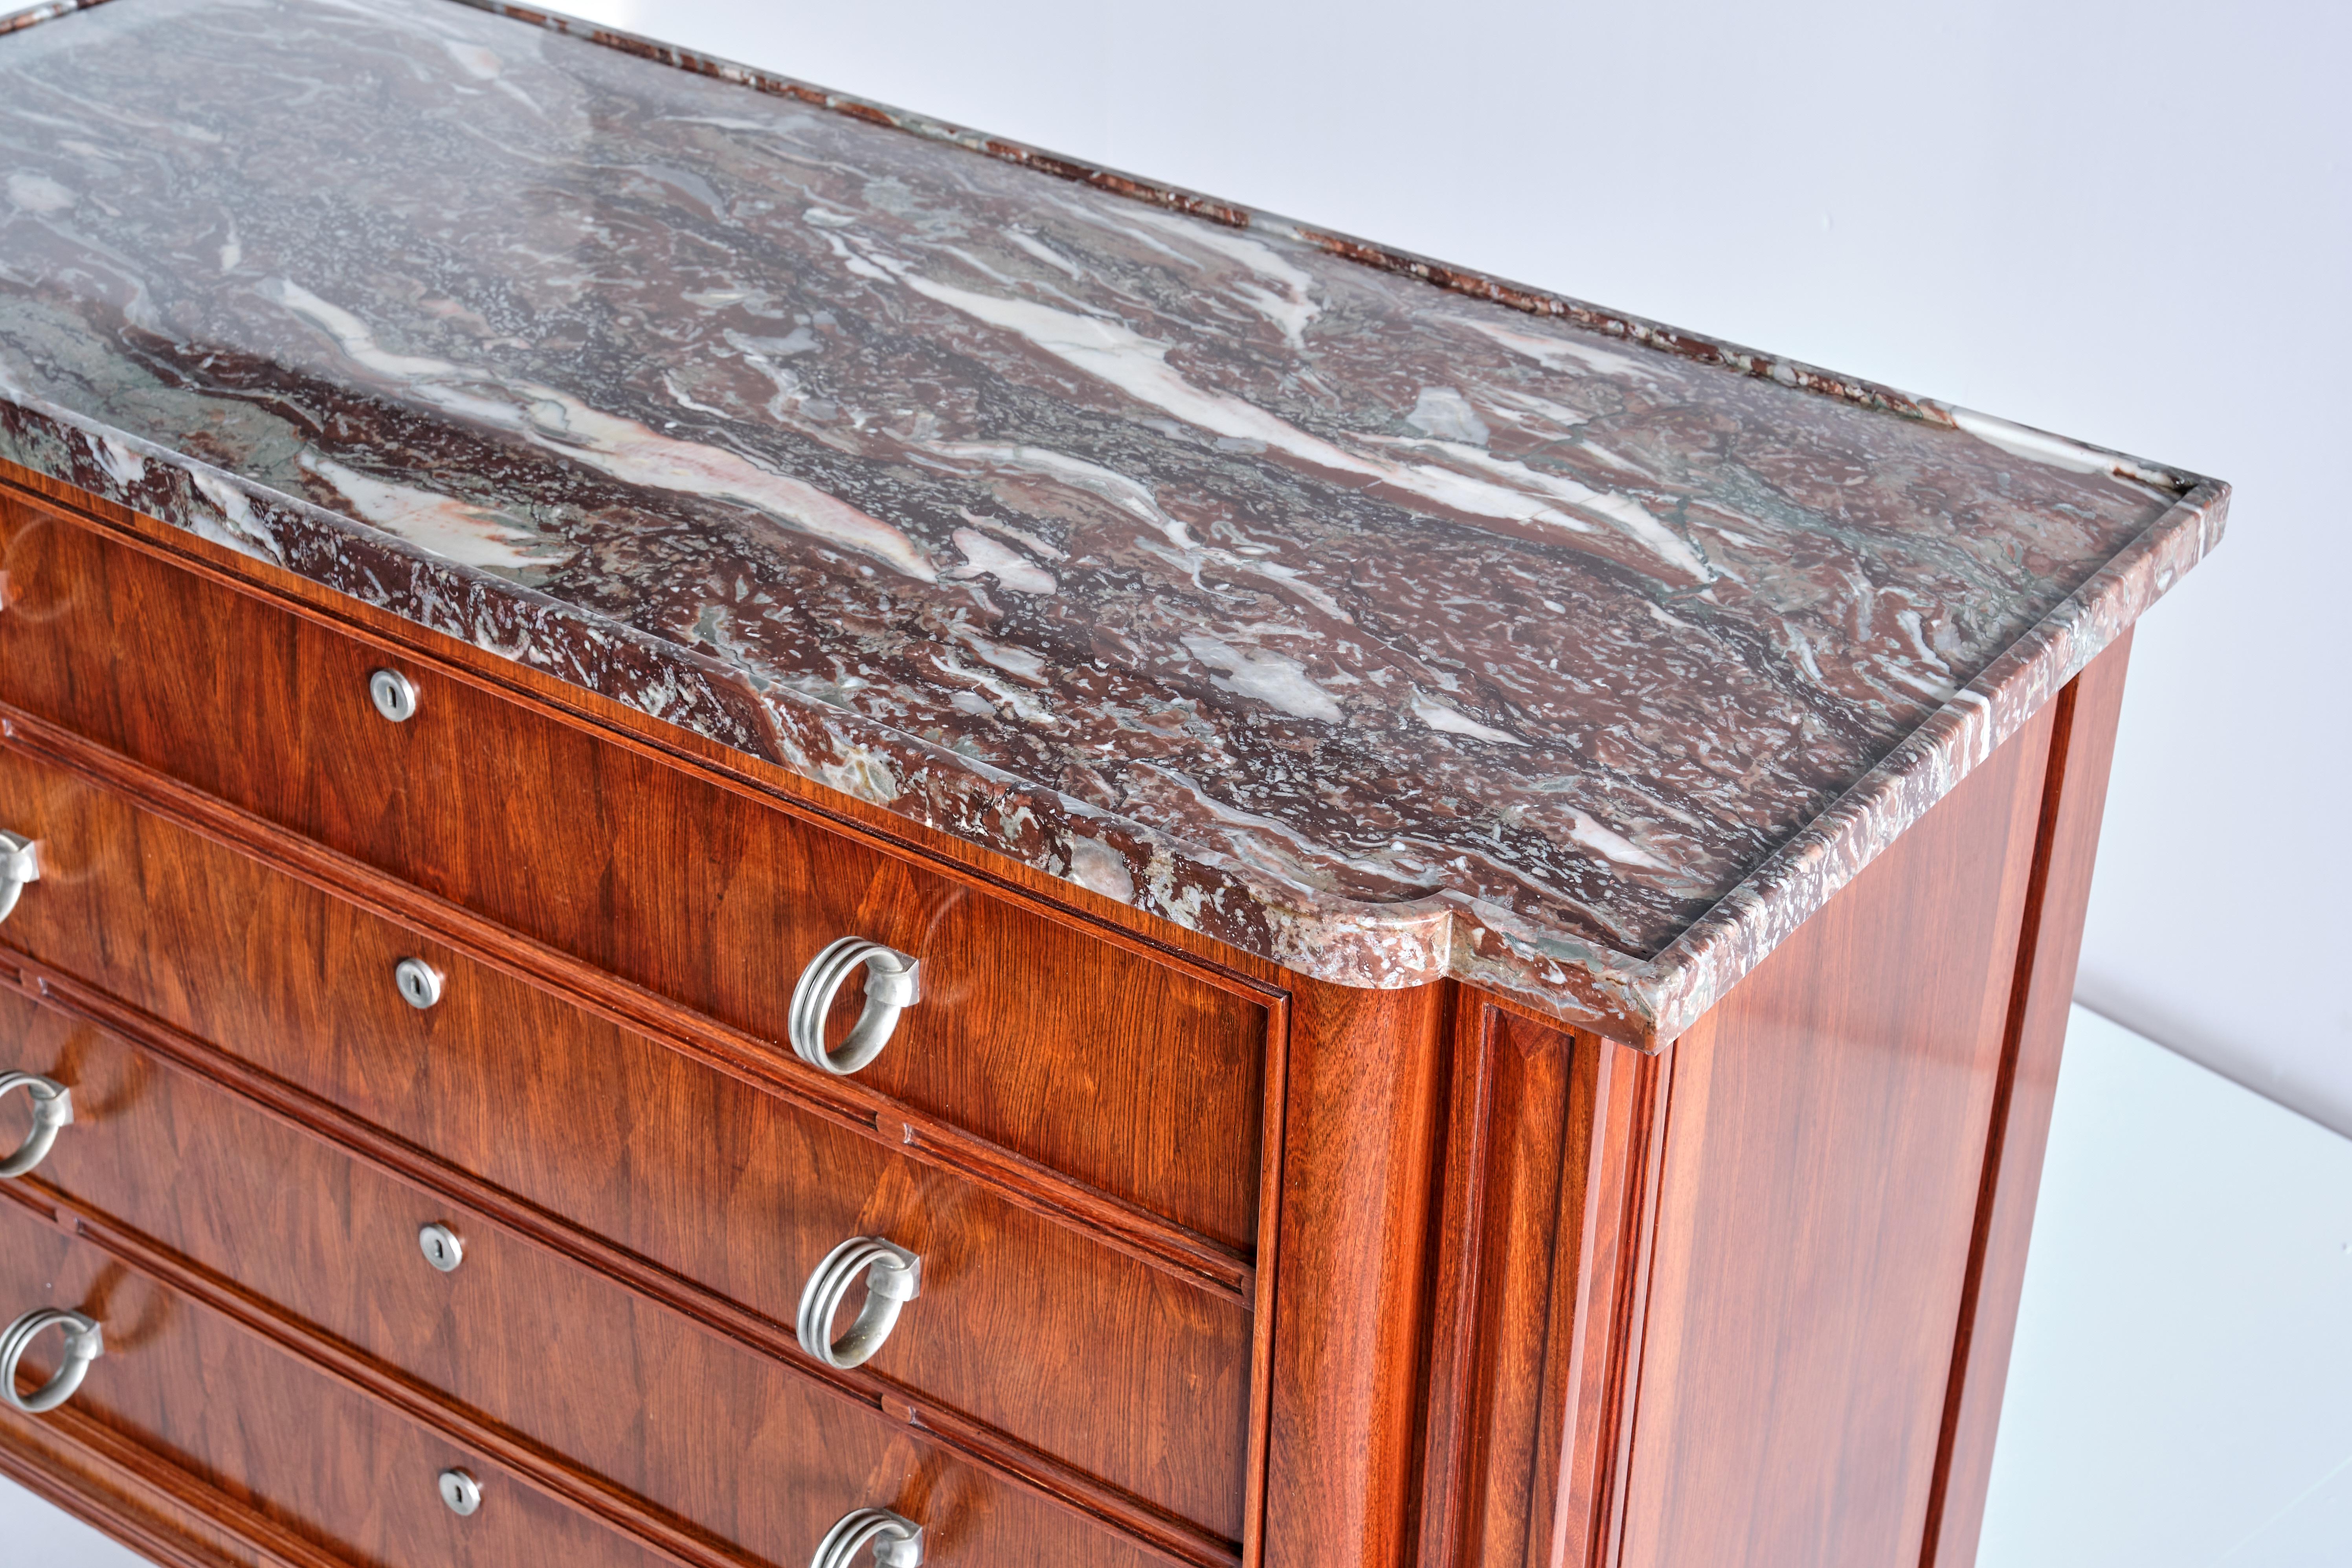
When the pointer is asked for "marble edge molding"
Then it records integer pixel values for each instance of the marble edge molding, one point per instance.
(1642, 1002)
(1379, 946)
(1797, 879)
(15, 21)
(43, 13)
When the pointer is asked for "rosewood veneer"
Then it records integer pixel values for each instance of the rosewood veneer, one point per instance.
(743, 830)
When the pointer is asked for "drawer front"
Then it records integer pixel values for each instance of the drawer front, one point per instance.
(308, 1454)
(1129, 1372)
(327, 1462)
(1139, 1077)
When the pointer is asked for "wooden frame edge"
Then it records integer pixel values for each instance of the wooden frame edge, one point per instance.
(146, 1530)
(2073, 800)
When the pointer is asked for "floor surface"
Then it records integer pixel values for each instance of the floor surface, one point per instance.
(2181, 1392)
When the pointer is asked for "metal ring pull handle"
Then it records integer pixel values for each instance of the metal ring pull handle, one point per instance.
(84, 1344)
(52, 1108)
(893, 984)
(897, 1541)
(894, 1277)
(20, 862)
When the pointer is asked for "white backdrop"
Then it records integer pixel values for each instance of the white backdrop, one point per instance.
(2129, 223)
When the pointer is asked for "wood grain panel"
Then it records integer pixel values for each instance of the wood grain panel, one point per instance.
(2082, 748)
(1551, 1145)
(1603, 1338)
(953, 1430)
(1364, 1108)
(318, 1456)
(594, 994)
(1129, 1373)
(308, 1457)
(1824, 1141)
(163, 1512)
(1515, 1177)
(1139, 1076)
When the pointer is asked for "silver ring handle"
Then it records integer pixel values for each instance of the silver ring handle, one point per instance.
(894, 1277)
(52, 1108)
(20, 862)
(84, 1344)
(897, 1541)
(893, 984)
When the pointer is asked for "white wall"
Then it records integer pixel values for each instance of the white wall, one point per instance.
(2125, 222)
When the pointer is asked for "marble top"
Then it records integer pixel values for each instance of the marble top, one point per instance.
(1369, 614)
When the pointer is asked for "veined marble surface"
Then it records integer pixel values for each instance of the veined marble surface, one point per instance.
(1385, 625)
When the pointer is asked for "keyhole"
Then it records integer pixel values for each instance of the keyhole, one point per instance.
(461, 1491)
(394, 695)
(441, 1247)
(419, 982)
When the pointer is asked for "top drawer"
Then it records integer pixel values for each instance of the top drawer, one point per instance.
(1136, 1077)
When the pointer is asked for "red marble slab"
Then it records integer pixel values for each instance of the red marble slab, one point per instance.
(1373, 616)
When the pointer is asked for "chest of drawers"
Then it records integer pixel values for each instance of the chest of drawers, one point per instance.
(743, 831)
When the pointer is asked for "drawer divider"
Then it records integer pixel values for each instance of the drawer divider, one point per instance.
(765, 1066)
(974, 1440)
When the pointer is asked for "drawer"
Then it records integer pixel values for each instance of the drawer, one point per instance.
(309, 1455)
(313, 1454)
(1137, 1077)
(1028, 1324)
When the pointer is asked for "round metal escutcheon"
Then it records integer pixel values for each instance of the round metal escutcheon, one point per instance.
(419, 983)
(441, 1247)
(393, 694)
(461, 1491)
